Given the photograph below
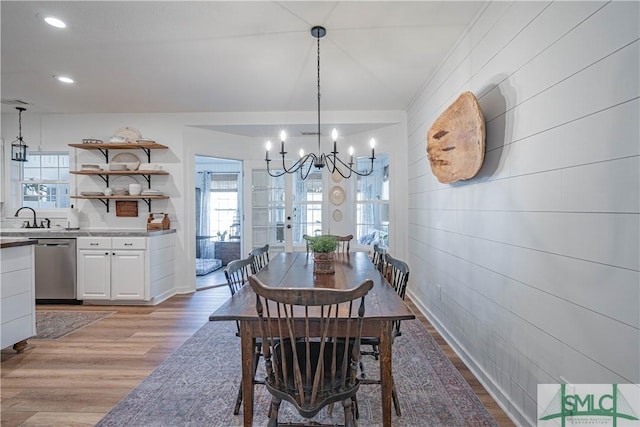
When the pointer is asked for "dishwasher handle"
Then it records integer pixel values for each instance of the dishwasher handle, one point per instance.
(62, 245)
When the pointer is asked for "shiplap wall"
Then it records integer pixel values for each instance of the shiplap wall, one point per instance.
(530, 269)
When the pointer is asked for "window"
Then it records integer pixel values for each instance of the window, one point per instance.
(372, 202)
(45, 180)
(223, 198)
(307, 206)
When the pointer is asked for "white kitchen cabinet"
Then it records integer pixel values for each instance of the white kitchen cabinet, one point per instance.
(127, 275)
(17, 296)
(136, 269)
(94, 274)
(112, 268)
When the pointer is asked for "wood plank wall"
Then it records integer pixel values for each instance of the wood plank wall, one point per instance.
(530, 269)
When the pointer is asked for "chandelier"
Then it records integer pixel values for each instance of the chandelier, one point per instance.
(320, 160)
(18, 147)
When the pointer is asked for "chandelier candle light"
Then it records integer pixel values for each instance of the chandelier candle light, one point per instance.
(330, 160)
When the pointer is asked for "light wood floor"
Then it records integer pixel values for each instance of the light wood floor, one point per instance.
(76, 380)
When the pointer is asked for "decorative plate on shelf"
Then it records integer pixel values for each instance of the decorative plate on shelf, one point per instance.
(336, 177)
(337, 215)
(336, 195)
(129, 134)
(129, 159)
(122, 183)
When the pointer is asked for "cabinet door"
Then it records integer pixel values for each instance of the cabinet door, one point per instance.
(94, 274)
(127, 275)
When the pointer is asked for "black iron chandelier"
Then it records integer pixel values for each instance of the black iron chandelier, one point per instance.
(18, 147)
(320, 160)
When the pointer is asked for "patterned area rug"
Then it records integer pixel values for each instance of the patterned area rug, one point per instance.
(198, 383)
(52, 325)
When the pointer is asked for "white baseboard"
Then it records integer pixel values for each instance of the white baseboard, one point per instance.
(492, 388)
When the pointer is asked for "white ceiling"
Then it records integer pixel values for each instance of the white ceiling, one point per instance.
(217, 56)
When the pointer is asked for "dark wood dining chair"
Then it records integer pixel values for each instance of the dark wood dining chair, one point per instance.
(378, 257)
(344, 243)
(397, 274)
(306, 238)
(260, 257)
(311, 363)
(237, 273)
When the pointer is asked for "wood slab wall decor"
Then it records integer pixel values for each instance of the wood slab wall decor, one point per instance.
(456, 141)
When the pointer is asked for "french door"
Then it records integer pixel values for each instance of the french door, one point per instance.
(283, 209)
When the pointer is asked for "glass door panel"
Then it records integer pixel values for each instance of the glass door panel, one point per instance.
(269, 207)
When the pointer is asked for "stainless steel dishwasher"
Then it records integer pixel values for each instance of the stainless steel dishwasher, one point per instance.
(55, 265)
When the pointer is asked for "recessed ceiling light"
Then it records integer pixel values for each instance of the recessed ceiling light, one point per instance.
(53, 21)
(64, 79)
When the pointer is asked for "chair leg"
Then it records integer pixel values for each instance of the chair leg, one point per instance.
(396, 402)
(356, 411)
(236, 409)
(273, 412)
(349, 420)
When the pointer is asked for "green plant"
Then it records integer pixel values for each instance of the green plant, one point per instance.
(323, 244)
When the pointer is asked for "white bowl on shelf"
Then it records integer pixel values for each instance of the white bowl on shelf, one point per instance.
(120, 191)
(118, 167)
(90, 167)
(135, 189)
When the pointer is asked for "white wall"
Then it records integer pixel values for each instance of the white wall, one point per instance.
(185, 137)
(530, 269)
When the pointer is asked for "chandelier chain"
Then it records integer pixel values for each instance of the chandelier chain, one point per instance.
(20, 124)
(330, 160)
(318, 39)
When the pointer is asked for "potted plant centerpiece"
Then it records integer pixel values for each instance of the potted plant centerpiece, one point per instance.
(324, 248)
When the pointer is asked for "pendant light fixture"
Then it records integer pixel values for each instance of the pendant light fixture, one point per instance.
(18, 147)
(320, 160)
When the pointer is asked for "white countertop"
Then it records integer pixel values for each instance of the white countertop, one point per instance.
(61, 232)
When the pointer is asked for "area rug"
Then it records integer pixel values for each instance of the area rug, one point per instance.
(52, 325)
(198, 383)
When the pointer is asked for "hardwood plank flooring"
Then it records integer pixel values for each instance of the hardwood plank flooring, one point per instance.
(77, 379)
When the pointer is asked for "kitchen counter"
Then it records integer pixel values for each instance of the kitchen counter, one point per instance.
(53, 232)
(12, 243)
(17, 293)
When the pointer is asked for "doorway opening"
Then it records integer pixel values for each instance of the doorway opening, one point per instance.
(218, 196)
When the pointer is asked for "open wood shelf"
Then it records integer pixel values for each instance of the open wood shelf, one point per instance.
(114, 197)
(105, 172)
(120, 146)
(105, 199)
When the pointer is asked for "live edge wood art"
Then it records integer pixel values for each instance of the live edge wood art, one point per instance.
(456, 140)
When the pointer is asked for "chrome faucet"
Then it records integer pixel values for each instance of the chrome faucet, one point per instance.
(35, 221)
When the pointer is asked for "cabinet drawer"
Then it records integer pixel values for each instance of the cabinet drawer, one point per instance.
(16, 282)
(18, 258)
(94, 243)
(129, 243)
(17, 330)
(16, 306)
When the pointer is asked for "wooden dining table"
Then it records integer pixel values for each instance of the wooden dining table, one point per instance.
(295, 270)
